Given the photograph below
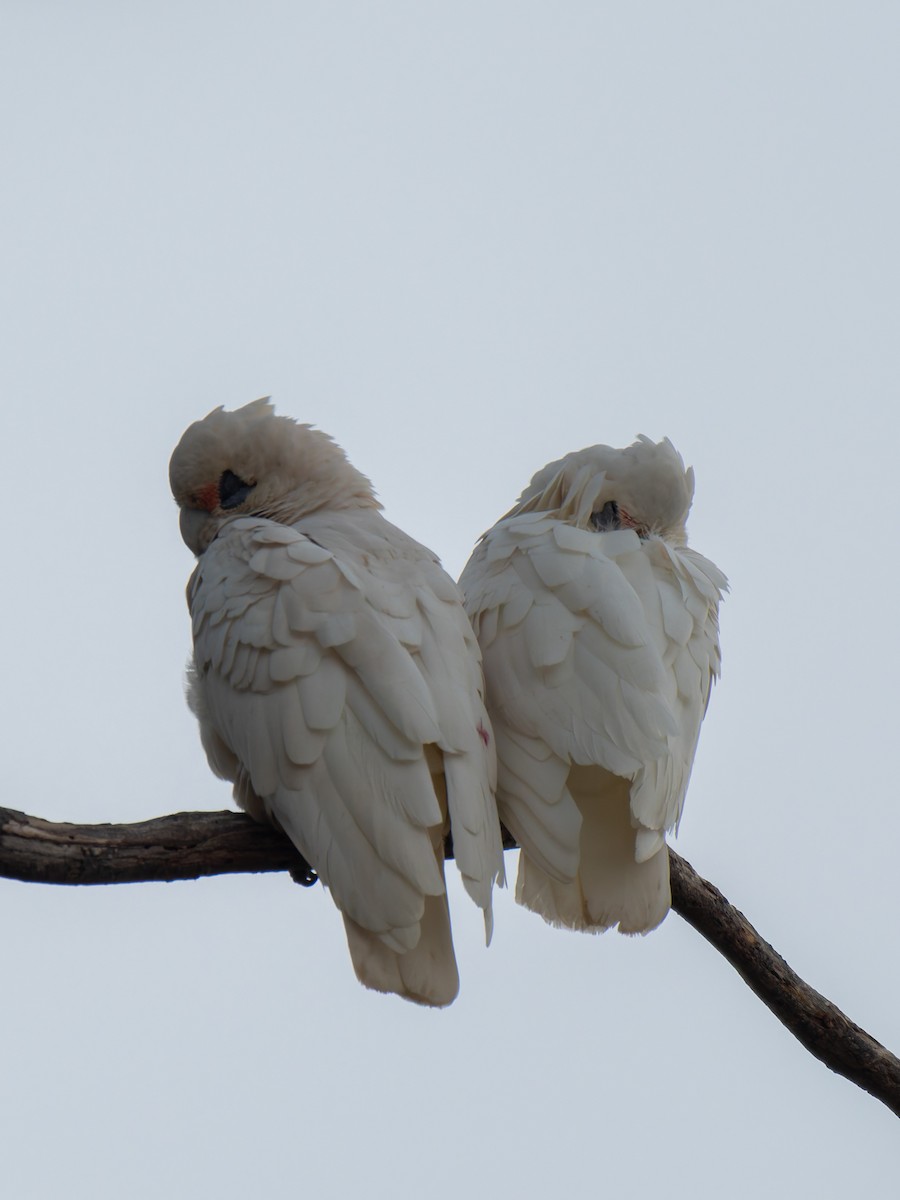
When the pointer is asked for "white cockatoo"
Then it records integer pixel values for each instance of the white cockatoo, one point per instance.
(338, 684)
(599, 632)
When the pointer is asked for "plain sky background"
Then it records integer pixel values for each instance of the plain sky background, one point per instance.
(463, 238)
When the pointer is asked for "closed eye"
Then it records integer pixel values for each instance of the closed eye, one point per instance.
(233, 490)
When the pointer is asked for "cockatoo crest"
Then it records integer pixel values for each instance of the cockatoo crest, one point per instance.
(647, 480)
(251, 462)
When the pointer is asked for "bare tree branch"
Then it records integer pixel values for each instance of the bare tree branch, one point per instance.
(191, 845)
(181, 846)
(814, 1021)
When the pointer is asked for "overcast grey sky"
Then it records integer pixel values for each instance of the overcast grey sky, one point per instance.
(463, 238)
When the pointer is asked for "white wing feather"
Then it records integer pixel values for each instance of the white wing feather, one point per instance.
(337, 682)
(599, 651)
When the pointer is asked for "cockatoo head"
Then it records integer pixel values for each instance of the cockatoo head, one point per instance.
(644, 487)
(250, 462)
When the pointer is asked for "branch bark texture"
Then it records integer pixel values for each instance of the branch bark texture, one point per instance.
(819, 1025)
(195, 844)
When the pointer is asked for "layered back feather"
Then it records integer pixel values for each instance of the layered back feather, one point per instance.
(599, 631)
(338, 685)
